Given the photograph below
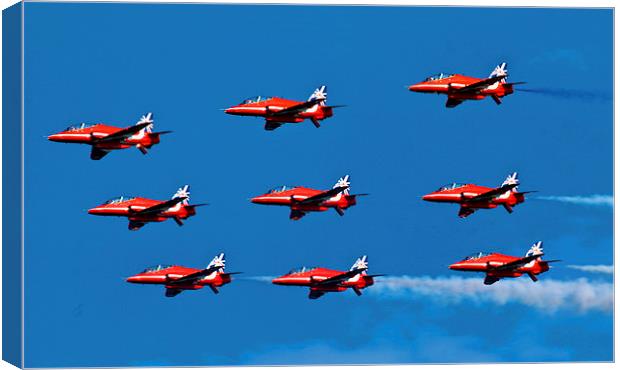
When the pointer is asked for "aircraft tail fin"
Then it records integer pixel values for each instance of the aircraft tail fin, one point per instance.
(536, 249)
(147, 118)
(219, 262)
(500, 70)
(319, 94)
(182, 192)
(512, 179)
(343, 182)
(360, 263)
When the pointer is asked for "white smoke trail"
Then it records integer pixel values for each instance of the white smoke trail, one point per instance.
(546, 295)
(603, 269)
(590, 200)
(262, 279)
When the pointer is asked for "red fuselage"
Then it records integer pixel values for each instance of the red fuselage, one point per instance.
(169, 274)
(131, 207)
(264, 108)
(291, 198)
(311, 277)
(461, 194)
(451, 84)
(486, 263)
(90, 134)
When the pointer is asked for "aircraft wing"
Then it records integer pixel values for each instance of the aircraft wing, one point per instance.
(488, 280)
(124, 133)
(517, 263)
(489, 195)
(194, 276)
(161, 207)
(314, 294)
(135, 225)
(96, 153)
(272, 125)
(452, 102)
(171, 292)
(480, 85)
(339, 278)
(296, 108)
(296, 214)
(318, 198)
(466, 211)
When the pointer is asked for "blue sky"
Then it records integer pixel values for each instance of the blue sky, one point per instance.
(114, 62)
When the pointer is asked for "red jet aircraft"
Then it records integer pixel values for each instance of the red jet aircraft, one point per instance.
(303, 200)
(322, 280)
(472, 197)
(139, 211)
(278, 111)
(104, 138)
(460, 88)
(498, 266)
(179, 278)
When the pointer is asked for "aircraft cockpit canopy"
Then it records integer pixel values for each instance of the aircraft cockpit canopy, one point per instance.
(439, 76)
(120, 199)
(454, 185)
(156, 268)
(256, 99)
(301, 270)
(280, 189)
(476, 256)
(81, 126)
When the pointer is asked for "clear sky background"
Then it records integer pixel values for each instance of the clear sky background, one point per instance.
(114, 62)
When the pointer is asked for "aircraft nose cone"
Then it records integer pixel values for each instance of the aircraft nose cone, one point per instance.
(455, 266)
(132, 279)
(278, 280)
(428, 197)
(258, 200)
(94, 211)
(415, 87)
(54, 137)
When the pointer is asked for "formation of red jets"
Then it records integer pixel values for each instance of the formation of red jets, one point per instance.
(302, 200)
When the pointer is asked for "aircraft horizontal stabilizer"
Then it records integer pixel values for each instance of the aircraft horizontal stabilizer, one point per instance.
(315, 122)
(198, 205)
(376, 275)
(339, 210)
